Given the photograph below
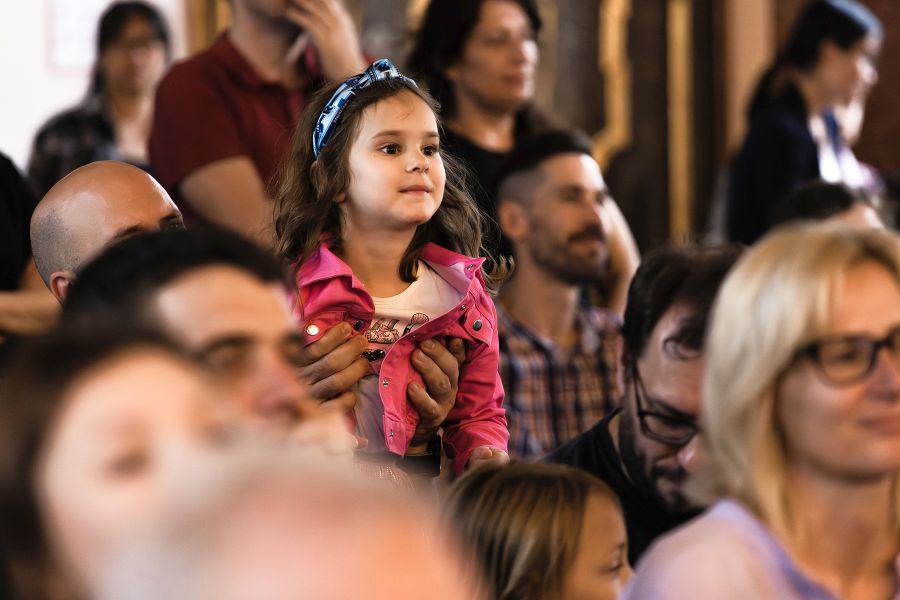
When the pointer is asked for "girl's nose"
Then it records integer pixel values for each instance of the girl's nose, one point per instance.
(418, 163)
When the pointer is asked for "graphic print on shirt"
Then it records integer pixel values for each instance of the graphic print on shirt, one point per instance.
(380, 332)
(416, 320)
(384, 331)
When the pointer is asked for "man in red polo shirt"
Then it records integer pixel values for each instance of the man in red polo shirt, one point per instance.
(225, 117)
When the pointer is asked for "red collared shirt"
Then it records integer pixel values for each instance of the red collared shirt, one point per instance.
(214, 106)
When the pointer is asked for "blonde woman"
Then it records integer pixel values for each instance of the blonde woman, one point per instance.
(540, 532)
(801, 409)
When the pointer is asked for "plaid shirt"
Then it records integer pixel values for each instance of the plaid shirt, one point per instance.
(72, 139)
(552, 395)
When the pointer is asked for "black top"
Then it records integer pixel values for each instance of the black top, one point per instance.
(16, 205)
(645, 517)
(778, 156)
(483, 167)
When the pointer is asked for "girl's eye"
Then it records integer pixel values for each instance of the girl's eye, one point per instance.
(431, 150)
(391, 148)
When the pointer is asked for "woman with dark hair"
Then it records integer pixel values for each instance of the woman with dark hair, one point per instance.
(479, 60)
(93, 431)
(113, 121)
(793, 136)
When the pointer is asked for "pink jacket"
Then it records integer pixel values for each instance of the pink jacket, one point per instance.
(331, 293)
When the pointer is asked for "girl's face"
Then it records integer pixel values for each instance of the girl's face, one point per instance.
(601, 569)
(396, 172)
(107, 466)
(850, 74)
(497, 66)
(848, 430)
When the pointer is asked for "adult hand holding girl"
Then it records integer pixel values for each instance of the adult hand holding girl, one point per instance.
(333, 365)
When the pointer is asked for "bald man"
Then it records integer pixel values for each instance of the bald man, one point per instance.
(90, 208)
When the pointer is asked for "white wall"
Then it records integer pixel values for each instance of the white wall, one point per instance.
(35, 83)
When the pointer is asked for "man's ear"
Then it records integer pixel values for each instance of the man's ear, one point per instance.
(513, 220)
(59, 284)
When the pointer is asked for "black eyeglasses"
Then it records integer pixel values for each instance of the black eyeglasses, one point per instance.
(849, 359)
(667, 429)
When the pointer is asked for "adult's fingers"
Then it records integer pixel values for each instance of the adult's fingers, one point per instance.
(428, 408)
(445, 360)
(340, 381)
(306, 15)
(458, 349)
(327, 356)
(438, 382)
(341, 403)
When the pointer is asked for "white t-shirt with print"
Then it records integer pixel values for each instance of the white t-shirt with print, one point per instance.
(428, 297)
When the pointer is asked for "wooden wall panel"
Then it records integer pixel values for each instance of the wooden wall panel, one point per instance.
(879, 143)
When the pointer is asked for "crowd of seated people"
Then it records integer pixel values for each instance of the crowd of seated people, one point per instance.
(265, 336)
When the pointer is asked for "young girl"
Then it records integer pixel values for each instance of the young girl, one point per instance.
(539, 531)
(382, 234)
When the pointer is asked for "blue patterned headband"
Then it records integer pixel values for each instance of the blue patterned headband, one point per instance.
(380, 70)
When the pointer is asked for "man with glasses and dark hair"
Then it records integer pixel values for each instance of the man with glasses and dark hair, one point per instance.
(645, 449)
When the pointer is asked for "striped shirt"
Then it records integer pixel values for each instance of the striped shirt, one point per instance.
(553, 394)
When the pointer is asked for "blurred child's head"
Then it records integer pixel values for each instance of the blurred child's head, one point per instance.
(541, 531)
(832, 202)
(340, 174)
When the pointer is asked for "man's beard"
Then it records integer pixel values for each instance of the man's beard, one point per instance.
(557, 259)
(635, 463)
(276, 23)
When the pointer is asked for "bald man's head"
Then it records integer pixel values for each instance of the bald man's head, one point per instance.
(87, 210)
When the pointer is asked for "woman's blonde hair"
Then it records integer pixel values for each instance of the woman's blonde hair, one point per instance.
(521, 525)
(778, 298)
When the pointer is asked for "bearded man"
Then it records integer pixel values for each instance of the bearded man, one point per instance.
(557, 353)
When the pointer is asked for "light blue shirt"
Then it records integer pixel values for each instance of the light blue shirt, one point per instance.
(727, 553)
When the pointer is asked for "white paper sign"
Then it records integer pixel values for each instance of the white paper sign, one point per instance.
(71, 32)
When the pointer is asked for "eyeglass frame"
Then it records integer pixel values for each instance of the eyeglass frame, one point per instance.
(813, 350)
(642, 414)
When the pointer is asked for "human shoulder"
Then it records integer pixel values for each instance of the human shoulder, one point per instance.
(592, 451)
(785, 116)
(717, 555)
(86, 114)
(15, 194)
(194, 71)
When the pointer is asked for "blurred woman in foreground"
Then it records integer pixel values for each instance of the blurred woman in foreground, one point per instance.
(93, 430)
